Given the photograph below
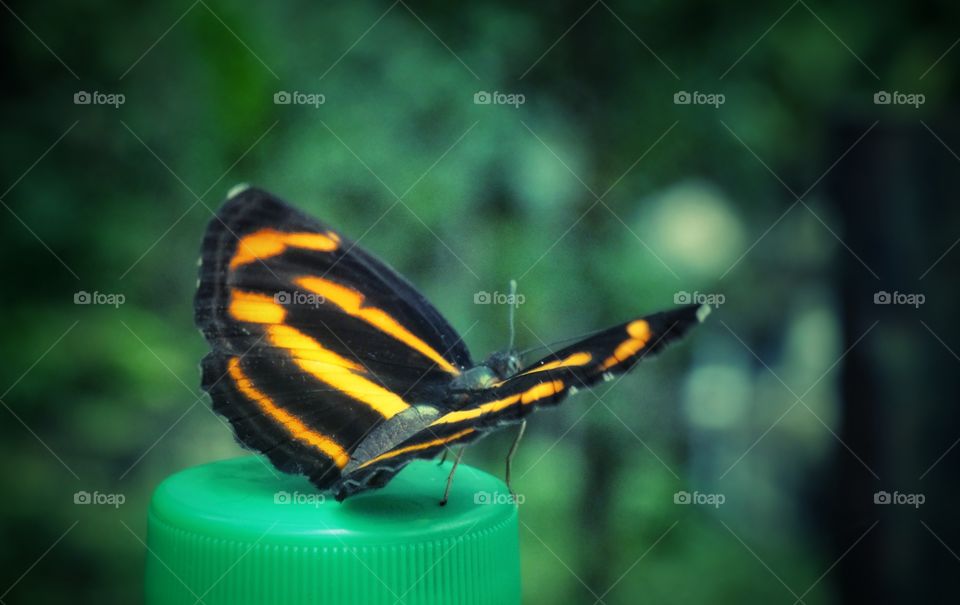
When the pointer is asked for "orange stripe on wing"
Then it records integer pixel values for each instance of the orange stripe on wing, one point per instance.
(310, 354)
(541, 391)
(265, 243)
(476, 412)
(531, 395)
(341, 373)
(577, 359)
(353, 303)
(338, 372)
(417, 447)
(639, 332)
(290, 423)
(255, 308)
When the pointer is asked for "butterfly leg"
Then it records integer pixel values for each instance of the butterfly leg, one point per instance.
(446, 491)
(513, 450)
(443, 457)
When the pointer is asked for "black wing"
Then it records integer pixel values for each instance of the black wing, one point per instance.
(315, 343)
(546, 382)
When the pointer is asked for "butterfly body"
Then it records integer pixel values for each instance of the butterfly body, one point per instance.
(331, 364)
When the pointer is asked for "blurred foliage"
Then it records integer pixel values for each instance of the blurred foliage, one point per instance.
(460, 197)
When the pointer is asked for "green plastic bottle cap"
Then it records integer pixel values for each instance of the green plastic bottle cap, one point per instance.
(238, 532)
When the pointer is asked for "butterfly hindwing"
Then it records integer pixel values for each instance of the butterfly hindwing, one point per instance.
(545, 382)
(315, 343)
(612, 351)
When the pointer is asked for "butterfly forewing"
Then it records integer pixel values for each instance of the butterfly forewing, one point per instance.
(315, 343)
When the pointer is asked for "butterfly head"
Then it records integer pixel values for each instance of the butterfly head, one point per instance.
(504, 363)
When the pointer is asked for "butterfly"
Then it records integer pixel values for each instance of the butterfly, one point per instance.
(334, 366)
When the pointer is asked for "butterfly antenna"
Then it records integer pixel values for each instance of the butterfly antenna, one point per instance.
(512, 311)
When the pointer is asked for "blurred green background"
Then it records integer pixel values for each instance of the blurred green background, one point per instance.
(793, 203)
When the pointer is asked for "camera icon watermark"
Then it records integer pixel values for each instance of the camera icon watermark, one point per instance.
(913, 299)
(299, 498)
(914, 500)
(84, 498)
(298, 298)
(684, 497)
(484, 497)
(114, 299)
(498, 298)
(714, 299)
(882, 97)
(283, 97)
(482, 97)
(715, 99)
(115, 99)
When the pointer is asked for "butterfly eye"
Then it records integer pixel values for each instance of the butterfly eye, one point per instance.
(513, 364)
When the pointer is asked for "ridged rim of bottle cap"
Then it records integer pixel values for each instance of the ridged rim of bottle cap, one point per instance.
(238, 531)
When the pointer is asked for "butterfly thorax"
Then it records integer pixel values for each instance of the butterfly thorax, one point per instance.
(497, 368)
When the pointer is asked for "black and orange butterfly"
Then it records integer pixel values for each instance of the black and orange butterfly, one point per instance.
(331, 364)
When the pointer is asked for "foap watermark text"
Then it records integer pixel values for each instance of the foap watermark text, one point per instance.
(299, 299)
(699, 298)
(283, 97)
(99, 498)
(482, 97)
(714, 500)
(682, 97)
(914, 299)
(914, 500)
(497, 298)
(114, 299)
(299, 498)
(96, 97)
(498, 498)
(882, 97)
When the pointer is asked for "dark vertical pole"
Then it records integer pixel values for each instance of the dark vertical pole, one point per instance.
(899, 386)
(865, 213)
